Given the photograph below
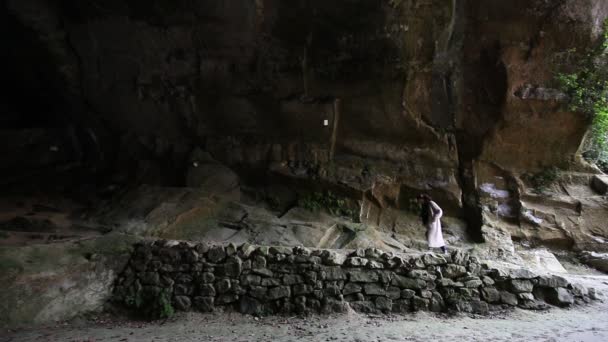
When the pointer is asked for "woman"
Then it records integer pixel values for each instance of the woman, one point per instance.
(430, 214)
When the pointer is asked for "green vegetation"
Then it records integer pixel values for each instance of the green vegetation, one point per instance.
(540, 181)
(328, 201)
(395, 3)
(150, 302)
(586, 84)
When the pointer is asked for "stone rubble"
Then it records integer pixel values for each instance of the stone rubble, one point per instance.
(279, 280)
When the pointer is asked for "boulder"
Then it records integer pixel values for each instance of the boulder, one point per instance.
(454, 271)
(250, 306)
(426, 294)
(356, 262)
(216, 254)
(279, 292)
(233, 267)
(373, 253)
(375, 264)
(480, 307)
(207, 278)
(223, 286)
(263, 272)
(374, 289)
(408, 283)
(579, 290)
(559, 297)
(522, 273)
(487, 281)
(519, 285)
(473, 283)
(246, 250)
(437, 304)
(362, 276)
(363, 306)
(552, 281)
(259, 261)
(268, 282)
(421, 274)
(274, 250)
(302, 289)
(333, 258)
(204, 304)
(331, 305)
(420, 304)
(402, 305)
(490, 294)
(251, 279)
(292, 279)
(350, 288)
(258, 292)
(231, 249)
(508, 298)
(332, 273)
(150, 278)
(182, 303)
(599, 183)
(408, 294)
(596, 260)
(227, 298)
(383, 304)
(432, 259)
(445, 282)
(393, 292)
(332, 289)
(211, 176)
(207, 290)
(460, 258)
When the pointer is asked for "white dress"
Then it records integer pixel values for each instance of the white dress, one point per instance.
(434, 234)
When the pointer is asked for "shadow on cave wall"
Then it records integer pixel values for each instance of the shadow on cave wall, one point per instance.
(485, 79)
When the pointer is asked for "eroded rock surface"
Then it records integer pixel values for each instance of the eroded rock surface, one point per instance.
(380, 99)
(50, 283)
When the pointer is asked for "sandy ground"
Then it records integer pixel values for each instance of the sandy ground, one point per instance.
(580, 323)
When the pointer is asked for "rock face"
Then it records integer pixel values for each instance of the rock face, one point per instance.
(384, 98)
(302, 280)
(44, 284)
(596, 260)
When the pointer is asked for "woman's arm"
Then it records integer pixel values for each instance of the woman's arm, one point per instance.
(437, 212)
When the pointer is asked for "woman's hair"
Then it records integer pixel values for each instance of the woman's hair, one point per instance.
(425, 212)
(425, 209)
(424, 197)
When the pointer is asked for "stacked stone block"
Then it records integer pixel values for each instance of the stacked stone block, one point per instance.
(269, 280)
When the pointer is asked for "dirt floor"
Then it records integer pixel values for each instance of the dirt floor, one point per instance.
(580, 323)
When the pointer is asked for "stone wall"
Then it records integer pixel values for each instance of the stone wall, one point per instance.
(269, 280)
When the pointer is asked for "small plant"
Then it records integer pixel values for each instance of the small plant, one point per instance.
(152, 304)
(585, 81)
(335, 205)
(540, 181)
(164, 307)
